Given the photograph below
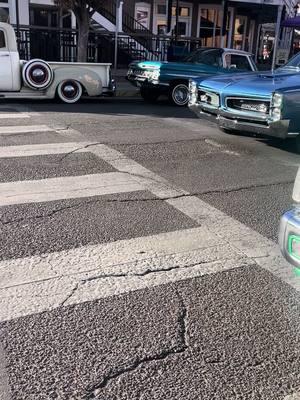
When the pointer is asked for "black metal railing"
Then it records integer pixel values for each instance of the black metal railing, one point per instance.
(53, 44)
(108, 12)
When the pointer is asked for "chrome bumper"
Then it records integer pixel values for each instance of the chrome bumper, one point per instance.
(136, 80)
(235, 121)
(289, 231)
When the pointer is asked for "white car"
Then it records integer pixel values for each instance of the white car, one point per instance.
(38, 79)
(289, 233)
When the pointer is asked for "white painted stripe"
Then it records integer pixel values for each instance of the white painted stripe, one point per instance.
(8, 130)
(295, 396)
(40, 283)
(159, 186)
(51, 189)
(13, 115)
(265, 252)
(42, 149)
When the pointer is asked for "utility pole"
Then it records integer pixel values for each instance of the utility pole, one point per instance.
(277, 34)
(176, 21)
(117, 33)
(18, 23)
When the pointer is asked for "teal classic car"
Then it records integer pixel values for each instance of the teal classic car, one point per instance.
(172, 78)
(289, 232)
(265, 103)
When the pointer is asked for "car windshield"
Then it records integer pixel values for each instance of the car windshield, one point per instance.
(207, 56)
(294, 62)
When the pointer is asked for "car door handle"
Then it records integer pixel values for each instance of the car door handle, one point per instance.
(4, 55)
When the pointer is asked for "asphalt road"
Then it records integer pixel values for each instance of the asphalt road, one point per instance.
(139, 259)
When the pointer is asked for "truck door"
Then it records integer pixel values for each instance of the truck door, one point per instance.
(6, 79)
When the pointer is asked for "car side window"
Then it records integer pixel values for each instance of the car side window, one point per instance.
(208, 57)
(237, 61)
(2, 40)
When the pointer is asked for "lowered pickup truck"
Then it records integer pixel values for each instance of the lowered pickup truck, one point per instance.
(172, 78)
(37, 79)
(266, 103)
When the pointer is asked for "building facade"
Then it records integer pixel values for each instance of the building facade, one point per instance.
(250, 25)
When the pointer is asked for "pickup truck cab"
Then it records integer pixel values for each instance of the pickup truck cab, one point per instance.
(38, 79)
(172, 78)
(289, 232)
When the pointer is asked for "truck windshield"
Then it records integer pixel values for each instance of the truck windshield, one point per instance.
(207, 56)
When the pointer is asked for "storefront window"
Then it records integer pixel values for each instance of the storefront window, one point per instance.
(4, 14)
(184, 19)
(210, 27)
(240, 31)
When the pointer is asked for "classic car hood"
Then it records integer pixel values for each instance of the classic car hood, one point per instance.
(146, 64)
(180, 66)
(261, 84)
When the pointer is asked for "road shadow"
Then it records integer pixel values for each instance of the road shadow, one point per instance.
(108, 106)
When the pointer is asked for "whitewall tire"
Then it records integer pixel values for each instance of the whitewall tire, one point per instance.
(69, 91)
(37, 74)
(179, 95)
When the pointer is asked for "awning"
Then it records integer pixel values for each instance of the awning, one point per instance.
(291, 22)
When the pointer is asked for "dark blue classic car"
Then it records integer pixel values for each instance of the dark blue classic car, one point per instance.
(289, 233)
(172, 78)
(265, 103)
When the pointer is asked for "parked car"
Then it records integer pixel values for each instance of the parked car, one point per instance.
(38, 79)
(265, 103)
(289, 232)
(172, 78)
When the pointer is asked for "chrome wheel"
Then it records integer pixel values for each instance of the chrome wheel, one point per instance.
(180, 95)
(69, 91)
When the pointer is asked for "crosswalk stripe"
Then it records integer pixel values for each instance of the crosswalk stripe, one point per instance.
(22, 192)
(8, 130)
(265, 252)
(113, 275)
(39, 283)
(295, 396)
(13, 115)
(41, 149)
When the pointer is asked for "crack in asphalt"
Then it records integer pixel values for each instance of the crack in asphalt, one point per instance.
(94, 393)
(78, 149)
(136, 200)
(144, 273)
(75, 288)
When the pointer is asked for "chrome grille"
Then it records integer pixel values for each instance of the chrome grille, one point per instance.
(253, 105)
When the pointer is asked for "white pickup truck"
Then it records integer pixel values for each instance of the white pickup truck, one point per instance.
(38, 79)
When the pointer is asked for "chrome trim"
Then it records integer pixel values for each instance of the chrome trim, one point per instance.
(277, 129)
(289, 225)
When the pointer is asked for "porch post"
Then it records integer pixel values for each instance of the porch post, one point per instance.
(224, 22)
(118, 17)
(277, 34)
